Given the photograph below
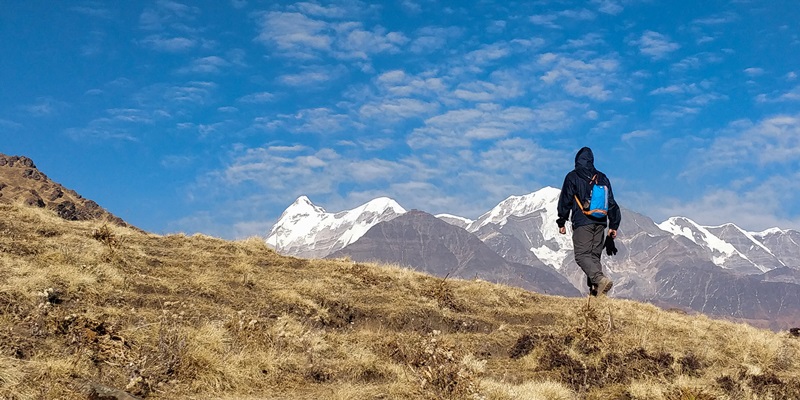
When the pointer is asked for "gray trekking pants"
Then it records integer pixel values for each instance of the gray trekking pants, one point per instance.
(587, 240)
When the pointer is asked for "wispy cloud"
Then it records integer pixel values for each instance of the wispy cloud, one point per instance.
(549, 20)
(431, 38)
(196, 92)
(764, 199)
(167, 14)
(655, 45)
(258, 97)
(608, 6)
(580, 77)
(95, 10)
(294, 34)
(460, 127)
(297, 35)
(321, 121)
(9, 124)
(719, 19)
(100, 130)
(311, 77)
(747, 146)
(206, 65)
(389, 110)
(754, 71)
(168, 44)
(638, 134)
(45, 106)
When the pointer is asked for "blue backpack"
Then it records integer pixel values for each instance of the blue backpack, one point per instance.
(597, 205)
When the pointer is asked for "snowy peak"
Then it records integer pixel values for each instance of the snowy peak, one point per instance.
(307, 230)
(700, 235)
(724, 254)
(769, 232)
(375, 206)
(542, 200)
(455, 220)
(302, 207)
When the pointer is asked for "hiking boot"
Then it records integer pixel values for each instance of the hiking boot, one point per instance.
(604, 286)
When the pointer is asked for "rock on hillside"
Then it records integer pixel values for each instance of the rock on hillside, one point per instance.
(22, 182)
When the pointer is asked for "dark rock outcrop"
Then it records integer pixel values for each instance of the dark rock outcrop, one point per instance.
(22, 182)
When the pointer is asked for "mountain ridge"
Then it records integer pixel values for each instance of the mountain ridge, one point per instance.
(21, 181)
(522, 230)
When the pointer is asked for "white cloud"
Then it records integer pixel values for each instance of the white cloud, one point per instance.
(167, 14)
(697, 61)
(547, 20)
(101, 129)
(311, 77)
(429, 39)
(45, 106)
(94, 10)
(8, 124)
(638, 134)
(608, 6)
(746, 146)
(206, 65)
(322, 120)
(719, 19)
(793, 94)
(411, 6)
(677, 89)
(580, 77)
(295, 34)
(354, 42)
(394, 109)
(764, 200)
(168, 44)
(196, 92)
(488, 53)
(655, 45)
(460, 127)
(258, 97)
(332, 11)
(754, 71)
(480, 91)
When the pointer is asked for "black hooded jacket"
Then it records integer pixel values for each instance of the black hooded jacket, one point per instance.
(577, 183)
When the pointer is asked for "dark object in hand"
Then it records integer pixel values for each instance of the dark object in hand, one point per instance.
(611, 248)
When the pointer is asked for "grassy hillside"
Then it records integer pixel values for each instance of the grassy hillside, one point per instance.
(86, 307)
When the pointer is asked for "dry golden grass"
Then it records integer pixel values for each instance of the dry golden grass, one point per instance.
(195, 317)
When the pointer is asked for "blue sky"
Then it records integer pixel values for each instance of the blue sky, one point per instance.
(213, 116)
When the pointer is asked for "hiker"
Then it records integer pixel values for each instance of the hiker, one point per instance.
(591, 213)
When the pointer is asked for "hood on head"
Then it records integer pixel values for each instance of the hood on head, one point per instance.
(584, 163)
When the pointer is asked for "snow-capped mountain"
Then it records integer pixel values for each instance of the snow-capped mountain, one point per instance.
(731, 247)
(307, 230)
(676, 263)
(783, 244)
(525, 224)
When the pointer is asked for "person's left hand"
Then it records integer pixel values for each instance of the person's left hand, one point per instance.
(612, 233)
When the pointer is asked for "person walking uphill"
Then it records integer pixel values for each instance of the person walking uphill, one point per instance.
(587, 195)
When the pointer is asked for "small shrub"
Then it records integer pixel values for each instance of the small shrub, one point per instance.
(105, 235)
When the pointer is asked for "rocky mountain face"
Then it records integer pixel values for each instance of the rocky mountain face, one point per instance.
(419, 240)
(21, 181)
(676, 263)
